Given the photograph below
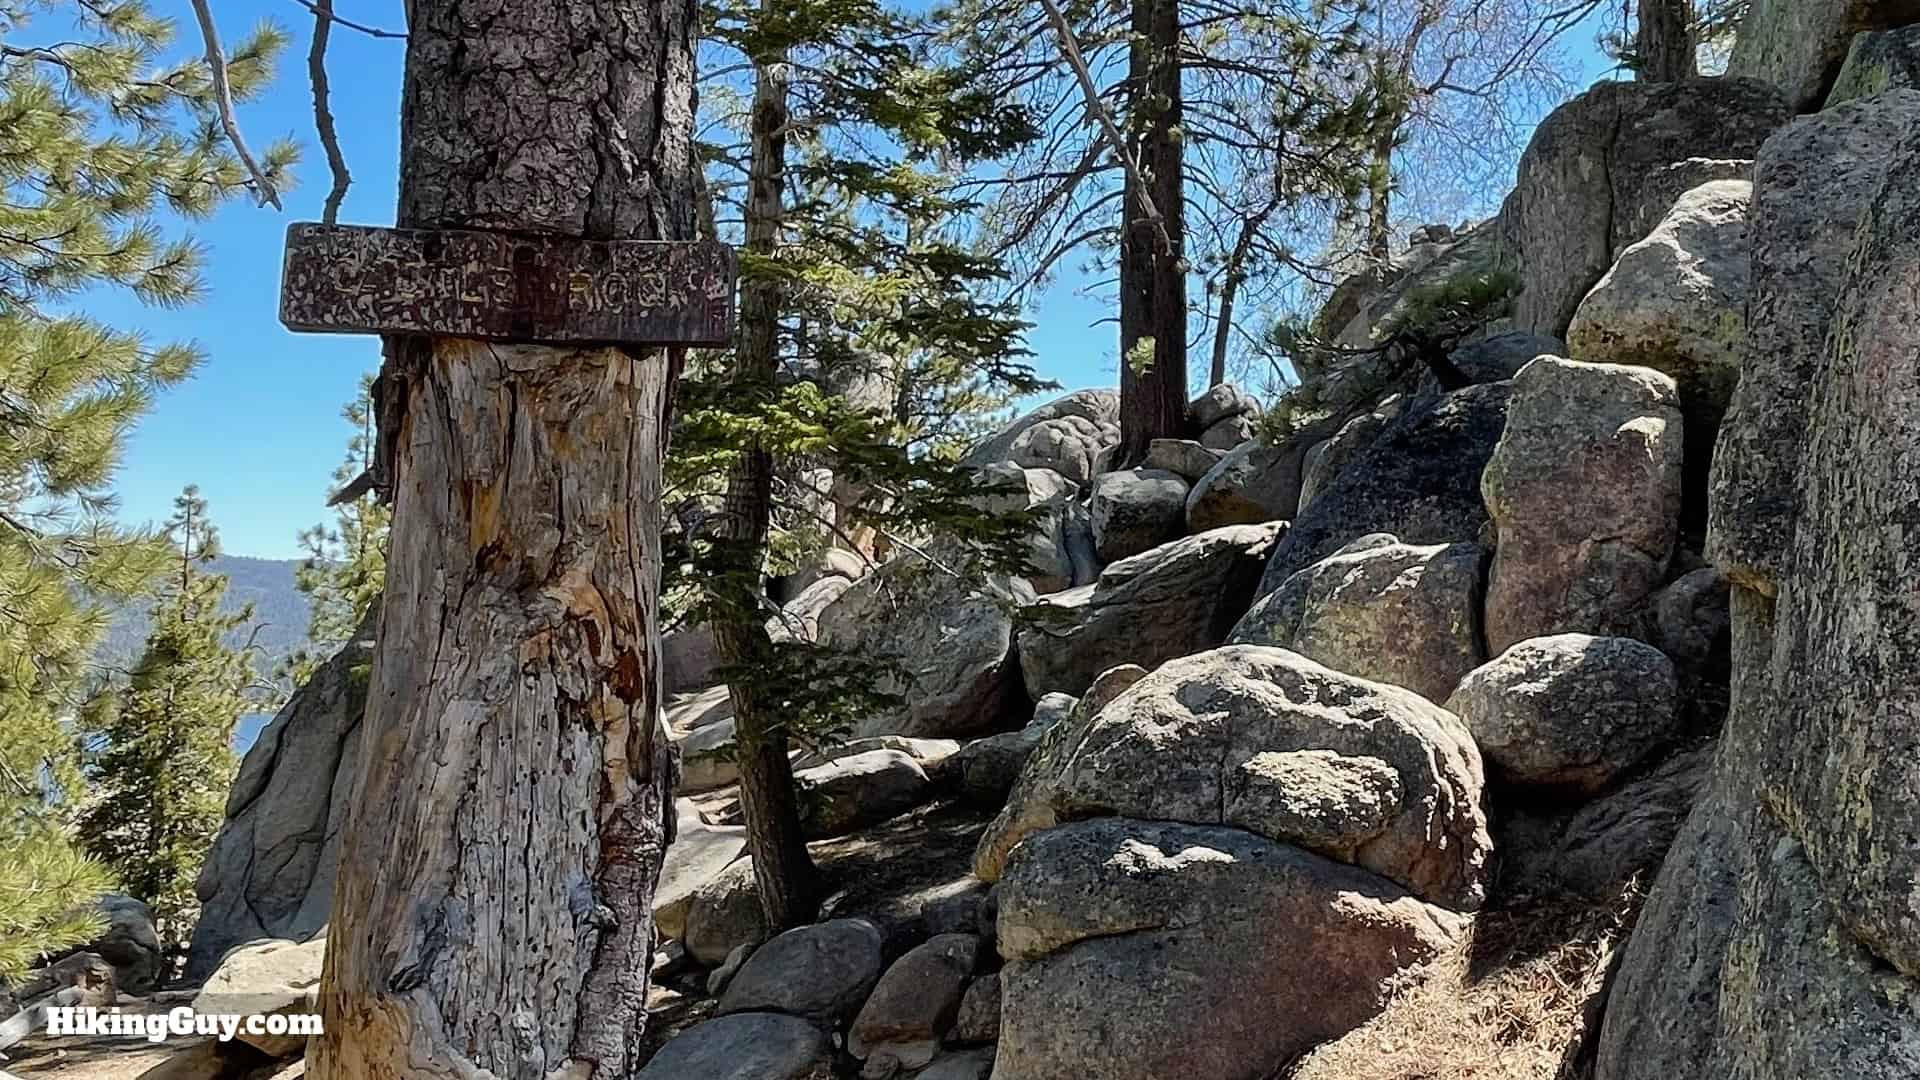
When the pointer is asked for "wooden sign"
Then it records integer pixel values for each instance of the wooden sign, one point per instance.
(353, 279)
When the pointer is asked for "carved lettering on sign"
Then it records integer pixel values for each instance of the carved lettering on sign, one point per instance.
(352, 279)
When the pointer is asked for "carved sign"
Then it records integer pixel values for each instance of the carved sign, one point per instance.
(352, 279)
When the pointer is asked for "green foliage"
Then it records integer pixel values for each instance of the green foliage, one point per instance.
(346, 563)
(160, 754)
(1452, 308)
(98, 136)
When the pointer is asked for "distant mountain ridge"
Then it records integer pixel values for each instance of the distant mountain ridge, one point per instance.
(278, 627)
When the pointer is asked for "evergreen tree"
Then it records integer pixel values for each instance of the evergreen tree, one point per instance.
(160, 753)
(97, 136)
(346, 563)
(861, 351)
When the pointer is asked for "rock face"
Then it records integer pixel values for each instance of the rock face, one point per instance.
(1265, 740)
(1571, 713)
(1252, 484)
(1790, 891)
(951, 642)
(745, 1046)
(1677, 302)
(1419, 480)
(1584, 490)
(1392, 613)
(1177, 599)
(820, 972)
(1798, 45)
(1136, 509)
(1583, 177)
(1878, 62)
(271, 869)
(1812, 183)
(1211, 943)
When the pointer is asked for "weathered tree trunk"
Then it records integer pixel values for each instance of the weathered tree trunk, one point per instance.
(1153, 280)
(782, 869)
(493, 910)
(1664, 44)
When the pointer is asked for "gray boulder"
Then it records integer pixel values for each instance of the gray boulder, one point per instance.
(130, 944)
(1585, 176)
(822, 972)
(1221, 401)
(266, 978)
(1099, 407)
(959, 1065)
(1663, 187)
(1418, 480)
(949, 641)
(1593, 851)
(1800, 45)
(1176, 599)
(724, 913)
(270, 871)
(1569, 714)
(707, 757)
(744, 1046)
(1584, 491)
(1812, 185)
(799, 618)
(1676, 302)
(1050, 558)
(1182, 457)
(989, 766)
(1142, 950)
(698, 854)
(979, 1017)
(1072, 446)
(851, 793)
(1253, 484)
(916, 1002)
(1876, 63)
(688, 657)
(1228, 433)
(1135, 510)
(1393, 613)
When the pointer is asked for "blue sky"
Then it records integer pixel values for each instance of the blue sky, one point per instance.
(258, 429)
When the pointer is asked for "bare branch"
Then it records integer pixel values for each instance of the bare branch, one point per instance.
(223, 94)
(322, 114)
(371, 31)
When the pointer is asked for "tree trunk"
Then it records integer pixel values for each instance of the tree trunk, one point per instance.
(1664, 43)
(1380, 190)
(781, 866)
(1153, 282)
(493, 909)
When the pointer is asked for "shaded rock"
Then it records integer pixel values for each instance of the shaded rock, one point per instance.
(821, 972)
(1325, 459)
(962, 912)
(1268, 741)
(1177, 599)
(1800, 45)
(1213, 944)
(1812, 184)
(949, 641)
(1877, 63)
(863, 789)
(698, 854)
(688, 657)
(1584, 491)
(265, 978)
(1050, 561)
(1418, 480)
(1099, 407)
(1689, 620)
(799, 618)
(979, 1017)
(1182, 457)
(1253, 484)
(692, 711)
(744, 1046)
(1234, 431)
(1585, 173)
(86, 972)
(823, 565)
(724, 914)
(1392, 613)
(989, 766)
(1571, 713)
(707, 757)
(1661, 189)
(1218, 403)
(916, 1002)
(722, 977)
(1135, 510)
(130, 944)
(1676, 302)
(270, 871)
(1593, 852)
(960, 1065)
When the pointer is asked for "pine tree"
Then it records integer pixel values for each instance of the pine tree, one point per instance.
(346, 563)
(97, 135)
(160, 753)
(861, 350)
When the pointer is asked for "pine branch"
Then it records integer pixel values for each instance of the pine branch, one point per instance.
(223, 96)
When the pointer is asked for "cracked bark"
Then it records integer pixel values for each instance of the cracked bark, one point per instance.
(493, 912)
(1664, 41)
(1153, 278)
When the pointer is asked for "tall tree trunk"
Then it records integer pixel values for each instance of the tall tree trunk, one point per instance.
(1153, 282)
(1664, 43)
(781, 866)
(1380, 190)
(493, 909)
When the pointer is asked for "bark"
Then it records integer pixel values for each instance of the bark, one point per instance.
(1153, 284)
(492, 916)
(782, 869)
(1664, 43)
